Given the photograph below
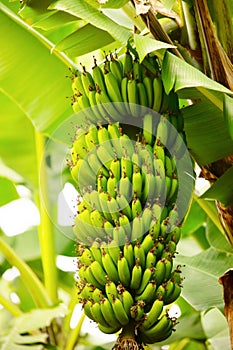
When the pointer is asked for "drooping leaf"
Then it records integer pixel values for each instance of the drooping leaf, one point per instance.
(91, 14)
(201, 272)
(8, 191)
(145, 45)
(179, 75)
(222, 189)
(76, 43)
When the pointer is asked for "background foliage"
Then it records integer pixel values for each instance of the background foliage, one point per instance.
(40, 41)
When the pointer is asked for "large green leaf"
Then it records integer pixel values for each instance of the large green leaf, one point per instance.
(86, 11)
(201, 272)
(216, 329)
(208, 138)
(179, 75)
(30, 76)
(222, 189)
(195, 219)
(216, 238)
(17, 143)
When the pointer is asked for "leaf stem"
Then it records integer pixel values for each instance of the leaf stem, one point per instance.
(45, 229)
(30, 279)
(73, 302)
(74, 334)
(13, 309)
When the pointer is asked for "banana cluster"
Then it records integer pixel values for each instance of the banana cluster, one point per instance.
(118, 88)
(127, 224)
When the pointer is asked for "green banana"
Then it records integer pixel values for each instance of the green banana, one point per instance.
(123, 205)
(103, 135)
(147, 217)
(153, 315)
(97, 314)
(87, 308)
(146, 277)
(112, 86)
(95, 250)
(112, 185)
(139, 254)
(148, 83)
(137, 311)
(148, 295)
(150, 259)
(124, 221)
(124, 271)
(125, 187)
(127, 64)
(114, 251)
(113, 208)
(137, 229)
(126, 166)
(102, 183)
(110, 267)
(136, 276)
(148, 243)
(128, 254)
(119, 235)
(142, 95)
(98, 76)
(98, 272)
(137, 182)
(127, 301)
(111, 290)
(136, 207)
(87, 81)
(133, 98)
(90, 278)
(115, 168)
(159, 272)
(95, 164)
(120, 312)
(114, 132)
(137, 71)
(148, 129)
(108, 313)
(158, 332)
(162, 131)
(77, 85)
(105, 154)
(116, 69)
(158, 94)
(109, 329)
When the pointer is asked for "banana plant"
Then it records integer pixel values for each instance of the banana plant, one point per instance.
(40, 43)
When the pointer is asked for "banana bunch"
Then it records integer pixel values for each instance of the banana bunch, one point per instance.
(117, 89)
(128, 224)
